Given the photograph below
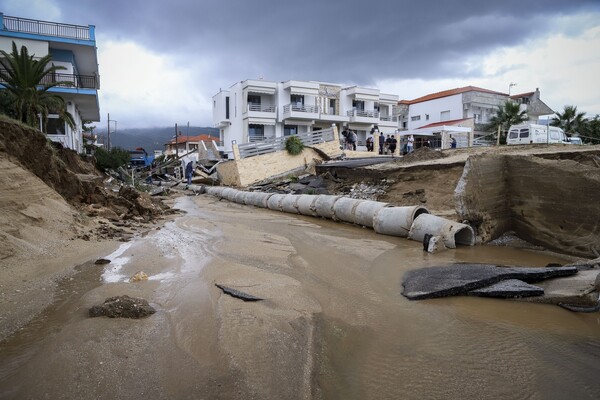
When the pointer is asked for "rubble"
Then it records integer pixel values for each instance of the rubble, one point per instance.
(122, 307)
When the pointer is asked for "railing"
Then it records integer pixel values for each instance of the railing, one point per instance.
(46, 28)
(261, 108)
(271, 145)
(388, 118)
(363, 113)
(300, 108)
(67, 80)
(256, 138)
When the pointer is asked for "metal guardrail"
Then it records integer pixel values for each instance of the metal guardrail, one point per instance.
(363, 113)
(46, 28)
(300, 108)
(271, 145)
(261, 108)
(67, 80)
(388, 118)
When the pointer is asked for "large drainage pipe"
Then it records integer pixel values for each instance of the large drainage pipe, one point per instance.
(258, 199)
(306, 205)
(451, 232)
(396, 221)
(324, 205)
(412, 221)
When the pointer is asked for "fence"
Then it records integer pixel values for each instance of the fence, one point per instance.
(46, 28)
(272, 145)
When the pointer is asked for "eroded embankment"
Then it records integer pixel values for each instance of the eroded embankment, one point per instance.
(554, 203)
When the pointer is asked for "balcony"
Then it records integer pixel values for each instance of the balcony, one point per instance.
(364, 116)
(388, 121)
(67, 80)
(300, 111)
(45, 28)
(261, 113)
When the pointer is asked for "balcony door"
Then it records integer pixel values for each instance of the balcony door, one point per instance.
(256, 133)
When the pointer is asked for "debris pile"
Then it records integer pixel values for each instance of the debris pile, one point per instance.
(122, 307)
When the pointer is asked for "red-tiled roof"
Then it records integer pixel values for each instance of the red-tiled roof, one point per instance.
(518, 96)
(450, 92)
(183, 139)
(449, 123)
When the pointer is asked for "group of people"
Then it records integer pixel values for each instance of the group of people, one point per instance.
(389, 143)
(350, 139)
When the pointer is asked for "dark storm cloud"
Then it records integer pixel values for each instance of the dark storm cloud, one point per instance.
(340, 41)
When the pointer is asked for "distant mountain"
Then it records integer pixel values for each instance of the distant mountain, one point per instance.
(150, 138)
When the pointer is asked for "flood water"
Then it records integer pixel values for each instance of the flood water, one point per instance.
(333, 324)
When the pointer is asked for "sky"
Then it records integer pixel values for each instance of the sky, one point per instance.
(162, 61)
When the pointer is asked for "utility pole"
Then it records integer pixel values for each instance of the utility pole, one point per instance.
(108, 134)
(510, 86)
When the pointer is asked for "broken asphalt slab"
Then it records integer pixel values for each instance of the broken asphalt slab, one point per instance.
(509, 288)
(237, 294)
(458, 279)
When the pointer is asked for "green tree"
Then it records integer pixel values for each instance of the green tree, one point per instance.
(569, 120)
(590, 132)
(508, 114)
(28, 81)
(112, 159)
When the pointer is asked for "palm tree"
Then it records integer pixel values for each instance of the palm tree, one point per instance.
(28, 82)
(508, 114)
(569, 120)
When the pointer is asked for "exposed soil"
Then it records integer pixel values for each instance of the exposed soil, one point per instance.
(56, 213)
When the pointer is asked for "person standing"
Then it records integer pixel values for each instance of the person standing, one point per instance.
(410, 144)
(353, 138)
(452, 142)
(381, 142)
(370, 142)
(189, 172)
(393, 144)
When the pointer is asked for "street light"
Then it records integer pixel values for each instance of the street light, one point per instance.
(510, 86)
(108, 134)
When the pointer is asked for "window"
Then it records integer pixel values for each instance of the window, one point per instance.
(426, 117)
(513, 134)
(290, 130)
(445, 115)
(226, 107)
(415, 118)
(256, 132)
(297, 99)
(477, 118)
(404, 125)
(253, 99)
(358, 105)
(331, 106)
(55, 125)
(376, 106)
(524, 133)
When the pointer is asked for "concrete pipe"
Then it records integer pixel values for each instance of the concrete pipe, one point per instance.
(306, 204)
(240, 197)
(288, 204)
(274, 202)
(344, 209)
(258, 199)
(451, 232)
(324, 205)
(214, 190)
(228, 193)
(366, 211)
(396, 221)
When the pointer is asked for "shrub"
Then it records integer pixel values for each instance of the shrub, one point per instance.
(294, 145)
(112, 159)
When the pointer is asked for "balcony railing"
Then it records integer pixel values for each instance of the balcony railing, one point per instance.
(388, 118)
(261, 108)
(300, 108)
(271, 145)
(67, 80)
(363, 113)
(46, 28)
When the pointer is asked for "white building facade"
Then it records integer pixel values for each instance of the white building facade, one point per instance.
(72, 47)
(253, 110)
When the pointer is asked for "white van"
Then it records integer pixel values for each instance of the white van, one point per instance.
(532, 133)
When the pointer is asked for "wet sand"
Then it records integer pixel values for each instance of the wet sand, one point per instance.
(333, 323)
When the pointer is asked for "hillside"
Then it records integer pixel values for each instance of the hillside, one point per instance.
(151, 138)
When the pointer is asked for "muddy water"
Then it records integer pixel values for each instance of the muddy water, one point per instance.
(333, 323)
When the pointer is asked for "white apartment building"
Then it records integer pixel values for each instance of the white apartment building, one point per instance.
(253, 110)
(468, 102)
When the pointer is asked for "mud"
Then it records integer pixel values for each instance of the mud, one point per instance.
(332, 324)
